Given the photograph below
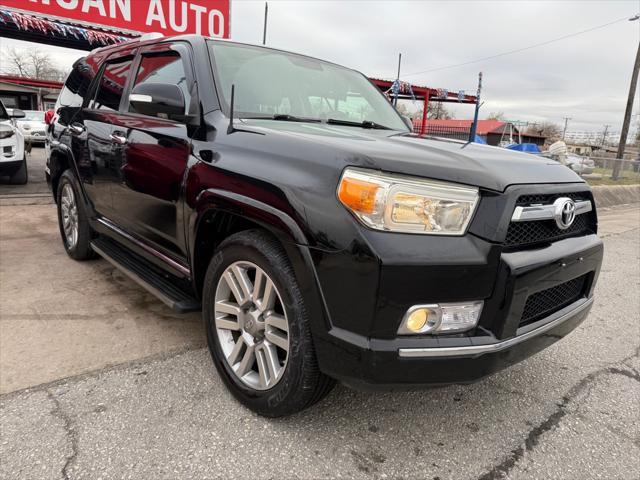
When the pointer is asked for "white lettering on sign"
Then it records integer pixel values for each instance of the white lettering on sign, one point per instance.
(183, 15)
(68, 4)
(199, 9)
(216, 23)
(123, 5)
(87, 4)
(180, 16)
(156, 14)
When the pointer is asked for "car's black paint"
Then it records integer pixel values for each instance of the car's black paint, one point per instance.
(179, 187)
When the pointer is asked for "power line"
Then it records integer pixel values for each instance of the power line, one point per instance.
(511, 52)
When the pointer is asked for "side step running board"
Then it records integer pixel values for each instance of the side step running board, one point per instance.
(143, 274)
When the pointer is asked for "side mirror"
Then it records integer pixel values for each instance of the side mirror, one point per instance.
(157, 99)
(16, 113)
(407, 122)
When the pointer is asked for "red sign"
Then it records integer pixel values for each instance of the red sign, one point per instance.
(169, 17)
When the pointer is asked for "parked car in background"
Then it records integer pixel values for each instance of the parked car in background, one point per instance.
(13, 161)
(286, 198)
(579, 164)
(33, 127)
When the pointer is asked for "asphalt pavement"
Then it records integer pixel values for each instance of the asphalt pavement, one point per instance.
(103, 382)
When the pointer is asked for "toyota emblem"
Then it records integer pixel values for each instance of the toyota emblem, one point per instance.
(564, 212)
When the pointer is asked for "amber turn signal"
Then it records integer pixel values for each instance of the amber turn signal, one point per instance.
(358, 195)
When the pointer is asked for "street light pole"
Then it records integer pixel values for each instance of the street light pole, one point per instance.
(474, 125)
(564, 132)
(264, 31)
(617, 166)
(604, 135)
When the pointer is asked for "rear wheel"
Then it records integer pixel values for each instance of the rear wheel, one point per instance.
(73, 219)
(257, 327)
(21, 176)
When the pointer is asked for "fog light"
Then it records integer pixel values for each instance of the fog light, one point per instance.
(441, 318)
(417, 320)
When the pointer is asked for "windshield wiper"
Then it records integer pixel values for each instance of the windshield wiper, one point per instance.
(285, 117)
(364, 124)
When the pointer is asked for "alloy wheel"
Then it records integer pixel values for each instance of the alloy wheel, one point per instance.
(69, 211)
(252, 325)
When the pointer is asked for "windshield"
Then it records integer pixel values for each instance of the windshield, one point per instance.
(270, 82)
(33, 116)
(3, 112)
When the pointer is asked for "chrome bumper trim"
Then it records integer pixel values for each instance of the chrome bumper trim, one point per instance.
(477, 350)
(546, 212)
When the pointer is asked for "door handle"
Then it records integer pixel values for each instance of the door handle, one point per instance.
(76, 128)
(117, 138)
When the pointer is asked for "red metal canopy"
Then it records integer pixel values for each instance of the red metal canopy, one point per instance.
(425, 94)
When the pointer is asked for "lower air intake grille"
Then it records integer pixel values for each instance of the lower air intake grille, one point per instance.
(546, 302)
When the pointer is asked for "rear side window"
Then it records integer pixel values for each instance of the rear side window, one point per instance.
(111, 85)
(77, 84)
(166, 67)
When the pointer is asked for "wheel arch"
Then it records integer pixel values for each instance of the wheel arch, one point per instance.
(59, 161)
(220, 214)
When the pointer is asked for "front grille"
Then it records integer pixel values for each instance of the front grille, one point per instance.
(528, 233)
(547, 198)
(546, 302)
(525, 234)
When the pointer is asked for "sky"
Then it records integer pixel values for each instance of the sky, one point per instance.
(585, 77)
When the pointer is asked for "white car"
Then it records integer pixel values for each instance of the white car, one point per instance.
(33, 127)
(13, 161)
(580, 165)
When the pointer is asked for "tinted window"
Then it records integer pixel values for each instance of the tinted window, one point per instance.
(111, 85)
(77, 84)
(164, 68)
(269, 82)
(3, 113)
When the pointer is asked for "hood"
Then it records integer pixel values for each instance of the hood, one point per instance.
(31, 125)
(440, 159)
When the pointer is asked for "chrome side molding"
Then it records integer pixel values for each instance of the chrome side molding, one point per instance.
(171, 262)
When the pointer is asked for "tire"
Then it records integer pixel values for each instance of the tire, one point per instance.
(78, 245)
(299, 383)
(21, 176)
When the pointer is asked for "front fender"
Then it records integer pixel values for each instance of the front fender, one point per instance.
(281, 226)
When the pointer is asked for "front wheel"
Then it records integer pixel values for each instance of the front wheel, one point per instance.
(73, 219)
(257, 327)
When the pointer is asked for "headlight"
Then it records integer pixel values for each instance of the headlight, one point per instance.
(401, 203)
(6, 132)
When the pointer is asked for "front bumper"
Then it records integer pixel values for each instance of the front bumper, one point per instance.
(388, 361)
(386, 367)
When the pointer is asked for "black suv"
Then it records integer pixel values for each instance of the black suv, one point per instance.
(323, 241)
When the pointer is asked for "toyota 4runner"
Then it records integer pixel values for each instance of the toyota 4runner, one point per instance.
(286, 198)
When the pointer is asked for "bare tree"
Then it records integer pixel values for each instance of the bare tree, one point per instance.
(33, 63)
(496, 116)
(435, 111)
(549, 130)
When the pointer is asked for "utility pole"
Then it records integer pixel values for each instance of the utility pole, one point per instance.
(566, 122)
(395, 99)
(617, 166)
(264, 30)
(474, 125)
(604, 135)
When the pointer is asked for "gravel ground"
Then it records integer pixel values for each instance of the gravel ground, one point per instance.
(570, 412)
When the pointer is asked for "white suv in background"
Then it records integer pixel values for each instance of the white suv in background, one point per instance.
(13, 161)
(33, 127)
